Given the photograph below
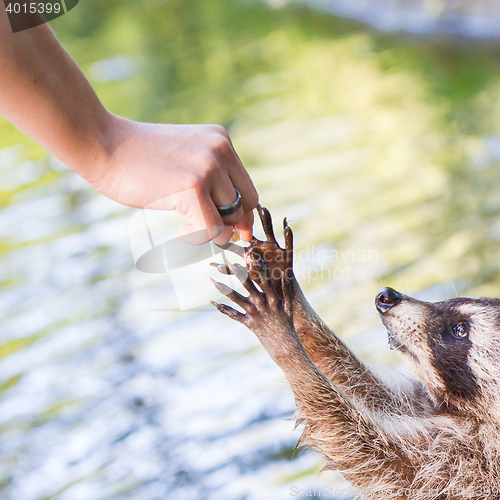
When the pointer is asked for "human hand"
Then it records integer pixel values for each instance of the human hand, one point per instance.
(190, 169)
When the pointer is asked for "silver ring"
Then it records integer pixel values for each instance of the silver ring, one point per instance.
(230, 209)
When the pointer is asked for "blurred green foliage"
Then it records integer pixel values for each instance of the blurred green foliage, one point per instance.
(412, 118)
(386, 144)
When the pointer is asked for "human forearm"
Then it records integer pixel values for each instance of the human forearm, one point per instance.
(44, 93)
(192, 169)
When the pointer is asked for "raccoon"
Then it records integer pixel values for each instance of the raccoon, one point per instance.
(437, 439)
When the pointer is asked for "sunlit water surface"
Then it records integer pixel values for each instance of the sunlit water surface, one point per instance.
(382, 151)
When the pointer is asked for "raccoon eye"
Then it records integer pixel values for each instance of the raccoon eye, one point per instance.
(460, 330)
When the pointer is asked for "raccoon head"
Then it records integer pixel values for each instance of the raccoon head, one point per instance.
(453, 347)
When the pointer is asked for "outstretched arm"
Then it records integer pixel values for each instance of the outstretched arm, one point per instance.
(44, 93)
(324, 348)
(348, 437)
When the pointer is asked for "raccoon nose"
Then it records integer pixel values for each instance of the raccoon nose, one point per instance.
(386, 298)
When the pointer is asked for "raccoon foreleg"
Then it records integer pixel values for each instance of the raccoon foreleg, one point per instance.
(337, 362)
(334, 425)
(324, 348)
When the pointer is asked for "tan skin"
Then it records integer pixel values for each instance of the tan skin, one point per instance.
(44, 93)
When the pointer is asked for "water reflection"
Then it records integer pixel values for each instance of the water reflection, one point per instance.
(478, 18)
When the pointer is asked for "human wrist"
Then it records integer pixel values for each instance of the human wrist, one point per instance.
(100, 144)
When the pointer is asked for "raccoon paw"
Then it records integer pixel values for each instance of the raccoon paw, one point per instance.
(266, 314)
(279, 260)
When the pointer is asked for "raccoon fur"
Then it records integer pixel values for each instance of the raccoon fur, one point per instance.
(439, 438)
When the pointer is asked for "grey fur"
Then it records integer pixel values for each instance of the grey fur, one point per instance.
(437, 440)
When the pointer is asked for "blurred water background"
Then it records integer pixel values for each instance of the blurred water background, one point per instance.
(383, 149)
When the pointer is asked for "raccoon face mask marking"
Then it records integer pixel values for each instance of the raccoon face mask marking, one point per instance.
(438, 438)
(452, 346)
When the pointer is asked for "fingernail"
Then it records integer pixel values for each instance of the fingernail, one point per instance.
(235, 236)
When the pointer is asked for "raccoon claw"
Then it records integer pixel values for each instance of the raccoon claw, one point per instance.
(267, 224)
(232, 270)
(279, 260)
(263, 309)
(222, 268)
(229, 311)
(268, 264)
(288, 243)
(231, 247)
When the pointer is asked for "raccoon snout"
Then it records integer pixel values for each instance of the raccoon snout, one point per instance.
(387, 298)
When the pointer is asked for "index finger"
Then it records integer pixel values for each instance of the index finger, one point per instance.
(206, 223)
(245, 226)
